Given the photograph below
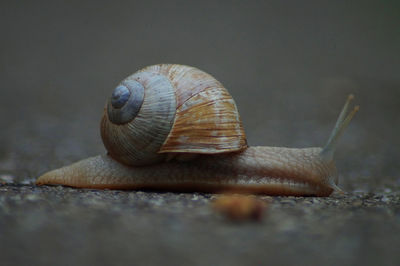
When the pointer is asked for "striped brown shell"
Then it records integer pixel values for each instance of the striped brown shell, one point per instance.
(170, 109)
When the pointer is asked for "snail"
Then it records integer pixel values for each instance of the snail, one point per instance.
(174, 127)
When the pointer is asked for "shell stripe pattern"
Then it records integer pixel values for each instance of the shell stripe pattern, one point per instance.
(206, 120)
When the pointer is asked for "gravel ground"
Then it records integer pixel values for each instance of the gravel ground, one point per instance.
(289, 68)
(65, 226)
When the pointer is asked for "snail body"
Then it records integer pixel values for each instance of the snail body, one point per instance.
(174, 127)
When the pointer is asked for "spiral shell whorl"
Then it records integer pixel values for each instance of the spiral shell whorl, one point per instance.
(137, 141)
(125, 102)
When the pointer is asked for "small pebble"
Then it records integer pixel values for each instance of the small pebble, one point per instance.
(6, 179)
(195, 197)
(240, 207)
(28, 181)
(287, 201)
(385, 199)
(316, 201)
(32, 197)
(387, 190)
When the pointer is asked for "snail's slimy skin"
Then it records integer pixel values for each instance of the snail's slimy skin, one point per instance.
(258, 170)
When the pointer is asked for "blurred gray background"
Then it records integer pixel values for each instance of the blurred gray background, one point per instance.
(288, 64)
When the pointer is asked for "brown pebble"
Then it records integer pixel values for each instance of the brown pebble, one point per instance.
(240, 207)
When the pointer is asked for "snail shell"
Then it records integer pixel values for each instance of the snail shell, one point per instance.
(170, 109)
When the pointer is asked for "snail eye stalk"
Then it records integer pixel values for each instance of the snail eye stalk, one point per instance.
(341, 124)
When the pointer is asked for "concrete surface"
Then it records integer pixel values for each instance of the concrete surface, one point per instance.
(289, 66)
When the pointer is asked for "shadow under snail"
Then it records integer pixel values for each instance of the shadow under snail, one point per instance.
(174, 127)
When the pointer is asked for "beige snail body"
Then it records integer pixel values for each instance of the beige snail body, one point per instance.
(173, 127)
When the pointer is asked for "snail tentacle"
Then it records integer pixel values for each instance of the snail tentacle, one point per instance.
(341, 124)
